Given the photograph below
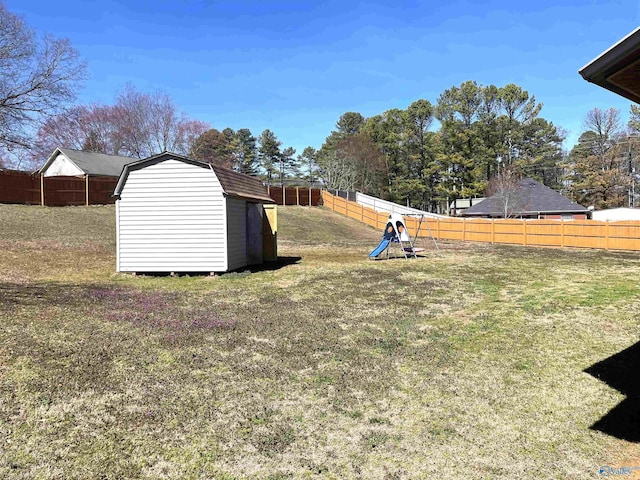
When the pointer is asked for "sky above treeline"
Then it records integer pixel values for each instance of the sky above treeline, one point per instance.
(295, 67)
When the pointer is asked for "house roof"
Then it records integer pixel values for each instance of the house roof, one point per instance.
(533, 198)
(91, 163)
(618, 68)
(233, 184)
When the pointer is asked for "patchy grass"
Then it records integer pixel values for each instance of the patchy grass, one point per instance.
(469, 364)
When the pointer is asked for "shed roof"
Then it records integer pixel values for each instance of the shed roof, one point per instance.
(618, 68)
(533, 197)
(234, 184)
(91, 163)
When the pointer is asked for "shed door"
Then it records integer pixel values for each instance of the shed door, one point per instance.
(254, 233)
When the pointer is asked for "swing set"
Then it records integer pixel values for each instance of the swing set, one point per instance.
(397, 235)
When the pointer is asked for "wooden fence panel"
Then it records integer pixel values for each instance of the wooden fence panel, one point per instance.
(101, 189)
(541, 233)
(290, 196)
(304, 199)
(24, 188)
(316, 197)
(276, 194)
(19, 187)
(61, 191)
(295, 195)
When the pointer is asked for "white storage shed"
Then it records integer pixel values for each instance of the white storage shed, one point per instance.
(175, 214)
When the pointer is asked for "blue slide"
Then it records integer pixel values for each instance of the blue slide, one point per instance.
(384, 243)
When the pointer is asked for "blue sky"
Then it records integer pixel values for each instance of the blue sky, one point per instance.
(295, 67)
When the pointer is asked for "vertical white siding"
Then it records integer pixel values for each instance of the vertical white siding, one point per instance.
(171, 218)
(236, 233)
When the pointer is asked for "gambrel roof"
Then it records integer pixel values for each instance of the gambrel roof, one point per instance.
(233, 184)
(91, 163)
(533, 198)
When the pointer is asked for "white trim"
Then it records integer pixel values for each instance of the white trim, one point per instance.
(118, 235)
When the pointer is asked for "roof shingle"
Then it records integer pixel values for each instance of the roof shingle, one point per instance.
(533, 198)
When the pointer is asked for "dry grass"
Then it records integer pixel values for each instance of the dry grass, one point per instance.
(464, 365)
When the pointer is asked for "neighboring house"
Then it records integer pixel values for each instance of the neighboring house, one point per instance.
(64, 162)
(460, 205)
(175, 214)
(96, 169)
(531, 199)
(616, 214)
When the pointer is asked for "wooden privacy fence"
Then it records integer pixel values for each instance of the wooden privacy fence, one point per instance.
(538, 233)
(27, 188)
(19, 187)
(296, 196)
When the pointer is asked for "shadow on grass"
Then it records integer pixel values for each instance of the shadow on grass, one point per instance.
(264, 267)
(52, 294)
(620, 371)
(281, 262)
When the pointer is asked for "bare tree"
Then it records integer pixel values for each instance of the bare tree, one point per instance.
(148, 124)
(139, 125)
(37, 79)
(506, 191)
(83, 127)
(607, 128)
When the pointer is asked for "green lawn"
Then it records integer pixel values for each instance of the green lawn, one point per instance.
(468, 364)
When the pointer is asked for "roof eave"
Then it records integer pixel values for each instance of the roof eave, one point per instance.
(250, 198)
(613, 60)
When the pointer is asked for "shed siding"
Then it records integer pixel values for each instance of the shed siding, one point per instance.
(171, 218)
(237, 233)
(254, 233)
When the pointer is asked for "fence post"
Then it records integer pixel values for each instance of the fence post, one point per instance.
(493, 231)
(42, 190)
(362, 213)
(524, 231)
(464, 229)
(297, 196)
(86, 190)
(606, 236)
(562, 233)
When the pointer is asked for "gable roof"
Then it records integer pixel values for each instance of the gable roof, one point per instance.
(91, 163)
(618, 68)
(533, 197)
(233, 184)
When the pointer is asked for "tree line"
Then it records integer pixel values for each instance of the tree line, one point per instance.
(399, 155)
(484, 133)
(424, 156)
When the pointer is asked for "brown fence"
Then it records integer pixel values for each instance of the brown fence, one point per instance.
(296, 196)
(19, 187)
(539, 233)
(25, 188)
